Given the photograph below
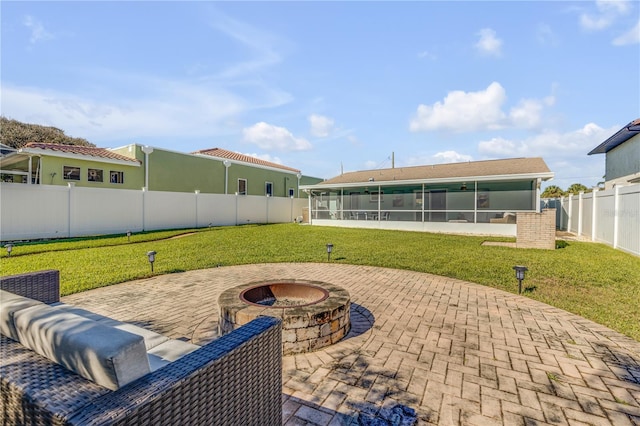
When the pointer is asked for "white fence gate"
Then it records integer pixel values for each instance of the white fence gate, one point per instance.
(48, 211)
(611, 217)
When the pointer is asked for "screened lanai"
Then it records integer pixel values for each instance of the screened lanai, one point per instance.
(481, 197)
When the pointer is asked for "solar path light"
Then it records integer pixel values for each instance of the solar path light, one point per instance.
(129, 236)
(9, 247)
(329, 250)
(520, 270)
(152, 258)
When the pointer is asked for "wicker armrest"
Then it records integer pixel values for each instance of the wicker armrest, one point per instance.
(42, 285)
(236, 379)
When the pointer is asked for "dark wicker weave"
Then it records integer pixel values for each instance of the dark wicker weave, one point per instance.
(43, 285)
(234, 380)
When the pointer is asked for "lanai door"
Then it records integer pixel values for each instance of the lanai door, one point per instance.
(437, 201)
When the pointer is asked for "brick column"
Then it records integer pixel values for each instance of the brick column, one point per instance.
(537, 230)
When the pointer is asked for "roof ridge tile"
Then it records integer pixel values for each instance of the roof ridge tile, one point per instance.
(237, 156)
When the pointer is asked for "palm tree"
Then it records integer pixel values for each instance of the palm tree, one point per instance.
(577, 188)
(553, 191)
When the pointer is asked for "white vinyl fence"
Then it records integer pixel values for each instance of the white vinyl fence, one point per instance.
(48, 211)
(611, 217)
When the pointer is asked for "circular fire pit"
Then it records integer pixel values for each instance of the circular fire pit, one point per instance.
(283, 295)
(314, 314)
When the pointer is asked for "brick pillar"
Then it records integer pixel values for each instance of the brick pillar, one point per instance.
(537, 230)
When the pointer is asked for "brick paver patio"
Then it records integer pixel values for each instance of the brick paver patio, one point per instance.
(422, 347)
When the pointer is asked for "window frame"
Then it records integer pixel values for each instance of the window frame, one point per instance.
(246, 185)
(67, 174)
(99, 173)
(268, 189)
(119, 177)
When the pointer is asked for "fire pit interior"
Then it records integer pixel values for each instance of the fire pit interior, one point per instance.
(280, 295)
(314, 314)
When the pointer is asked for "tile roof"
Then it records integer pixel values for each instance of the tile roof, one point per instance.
(236, 156)
(511, 166)
(80, 150)
(620, 137)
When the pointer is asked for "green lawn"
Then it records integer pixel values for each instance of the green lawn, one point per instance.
(591, 280)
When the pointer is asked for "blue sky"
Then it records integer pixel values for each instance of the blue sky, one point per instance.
(322, 86)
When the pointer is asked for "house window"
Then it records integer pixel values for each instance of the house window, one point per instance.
(94, 175)
(292, 192)
(71, 173)
(116, 177)
(242, 187)
(268, 189)
(375, 196)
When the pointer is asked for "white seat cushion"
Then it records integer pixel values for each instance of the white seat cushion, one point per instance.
(9, 304)
(168, 352)
(105, 355)
(151, 338)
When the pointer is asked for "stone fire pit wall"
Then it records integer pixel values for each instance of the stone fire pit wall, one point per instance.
(304, 328)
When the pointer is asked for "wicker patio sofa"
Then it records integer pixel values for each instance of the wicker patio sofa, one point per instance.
(234, 380)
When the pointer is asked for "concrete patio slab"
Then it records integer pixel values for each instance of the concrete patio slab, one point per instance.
(423, 349)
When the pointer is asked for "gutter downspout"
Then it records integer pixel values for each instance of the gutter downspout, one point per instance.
(227, 164)
(147, 150)
(71, 186)
(29, 179)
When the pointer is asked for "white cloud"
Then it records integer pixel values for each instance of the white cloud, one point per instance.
(163, 109)
(443, 157)
(264, 47)
(259, 51)
(463, 111)
(489, 44)
(630, 37)
(546, 35)
(475, 111)
(353, 140)
(607, 14)
(527, 114)
(498, 147)
(38, 32)
(617, 6)
(600, 22)
(321, 126)
(574, 144)
(451, 157)
(270, 137)
(427, 55)
(370, 165)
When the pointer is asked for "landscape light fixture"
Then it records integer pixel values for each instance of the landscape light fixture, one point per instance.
(129, 236)
(152, 258)
(329, 250)
(9, 247)
(520, 270)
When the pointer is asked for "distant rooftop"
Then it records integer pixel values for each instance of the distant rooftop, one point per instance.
(78, 150)
(511, 166)
(6, 149)
(236, 156)
(620, 137)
